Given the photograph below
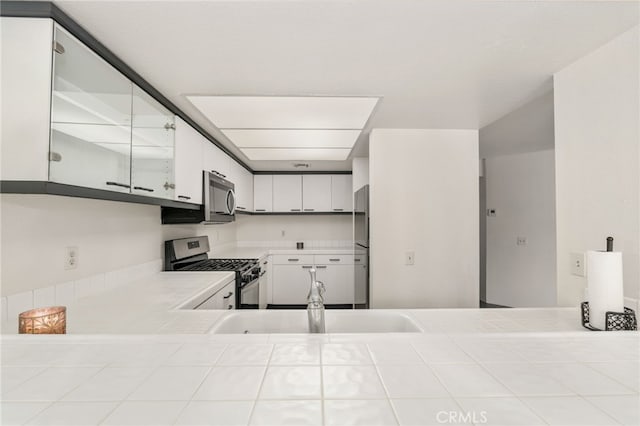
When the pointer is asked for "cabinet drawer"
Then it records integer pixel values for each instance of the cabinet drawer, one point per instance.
(292, 259)
(333, 259)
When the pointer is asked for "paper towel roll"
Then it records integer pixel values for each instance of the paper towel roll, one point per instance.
(604, 281)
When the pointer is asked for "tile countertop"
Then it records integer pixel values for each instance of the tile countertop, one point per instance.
(159, 366)
(147, 305)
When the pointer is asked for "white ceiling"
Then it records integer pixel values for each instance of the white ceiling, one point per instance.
(435, 63)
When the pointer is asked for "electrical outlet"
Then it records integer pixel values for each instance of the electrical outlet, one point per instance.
(71, 258)
(409, 258)
(577, 264)
(521, 241)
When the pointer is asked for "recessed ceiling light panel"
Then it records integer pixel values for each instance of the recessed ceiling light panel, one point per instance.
(269, 138)
(285, 112)
(294, 154)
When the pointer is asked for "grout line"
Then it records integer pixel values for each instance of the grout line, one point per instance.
(264, 375)
(322, 416)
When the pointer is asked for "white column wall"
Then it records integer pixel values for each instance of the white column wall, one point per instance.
(424, 199)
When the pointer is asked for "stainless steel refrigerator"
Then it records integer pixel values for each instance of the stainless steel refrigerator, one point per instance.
(361, 249)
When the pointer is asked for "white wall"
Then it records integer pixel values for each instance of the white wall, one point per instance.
(110, 235)
(597, 168)
(424, 198)
(522, 190)
(526, 129)
(318, 230)
(360, 167)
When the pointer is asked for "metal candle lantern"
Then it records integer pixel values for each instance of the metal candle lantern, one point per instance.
(50, 320)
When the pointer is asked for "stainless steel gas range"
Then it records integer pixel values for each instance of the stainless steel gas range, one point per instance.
(190, 255)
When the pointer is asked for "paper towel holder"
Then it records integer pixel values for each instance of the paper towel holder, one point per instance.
(615, 321)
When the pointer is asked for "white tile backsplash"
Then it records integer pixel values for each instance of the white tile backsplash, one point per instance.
(89, 286)
(44, 297)
(17, 303)
(67, 293)
(3, 309)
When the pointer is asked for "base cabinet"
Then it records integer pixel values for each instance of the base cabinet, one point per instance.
(222, 299)
(290, 284)
(338, 282)
(291, 279)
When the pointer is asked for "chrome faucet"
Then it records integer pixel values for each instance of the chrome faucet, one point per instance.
(315, 307)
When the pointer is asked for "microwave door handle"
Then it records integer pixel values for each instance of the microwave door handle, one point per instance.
(231, 196)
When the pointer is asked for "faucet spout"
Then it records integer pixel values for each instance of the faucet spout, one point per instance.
(315, 306)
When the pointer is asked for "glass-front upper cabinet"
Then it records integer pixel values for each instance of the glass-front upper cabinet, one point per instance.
(152, 147)
(91, 108)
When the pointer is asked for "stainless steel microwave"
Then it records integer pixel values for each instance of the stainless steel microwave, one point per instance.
(219, 199)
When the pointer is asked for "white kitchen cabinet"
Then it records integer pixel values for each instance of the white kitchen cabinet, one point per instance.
(188, 163)
(222, 299)
(91, 119)
(291, 279)
(215, 160)
(287, 193)
(316, 193)
(291, 284)
(263, 193)
(341, 193)
(152, 147)
(338, 283)
(26, 89)
(243, 181)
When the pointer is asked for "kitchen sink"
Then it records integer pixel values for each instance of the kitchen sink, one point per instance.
(295, 321)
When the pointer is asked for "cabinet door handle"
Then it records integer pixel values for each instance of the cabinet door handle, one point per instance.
(262, 273)
(356, 260)
(229, 307)
(170, 126)
(122, 185)
(228, 295)
(218, 173)
(293, 260)
(142, 188)
(240, 208)
(338, 210)
(58, 47)
(55, 156)
(321, 266)
(334, 260)
(184, 197)
(295, 210)
(307, 267)
(261, 210)
(309, 210)
(265, 262)
(168, 186)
